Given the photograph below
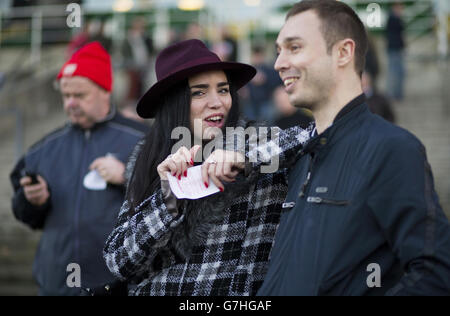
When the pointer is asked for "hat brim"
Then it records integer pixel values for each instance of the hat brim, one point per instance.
(240, 74)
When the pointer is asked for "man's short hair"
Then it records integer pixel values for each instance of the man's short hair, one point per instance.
(338, 21)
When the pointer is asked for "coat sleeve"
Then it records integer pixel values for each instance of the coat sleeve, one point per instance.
(24, 211)
(277, 150)
(137, 239)
(405, 205)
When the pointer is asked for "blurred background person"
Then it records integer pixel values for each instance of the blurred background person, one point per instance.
(193, 31)
(395, 51)
(289, 116)
(377, 102)
(78, 40)
(2, 79)
(71, 183)
(137, 52)
(372, 61)
(258, 94)
(225, 45)
(91, 31)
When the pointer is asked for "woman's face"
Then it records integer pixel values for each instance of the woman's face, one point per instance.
(210, 103)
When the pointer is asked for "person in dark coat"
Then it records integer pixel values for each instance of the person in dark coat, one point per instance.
(395, 38)
(259, 103)
(377, 102)
(72, 182)
(361, 215)
(289, 116)
(137, 52)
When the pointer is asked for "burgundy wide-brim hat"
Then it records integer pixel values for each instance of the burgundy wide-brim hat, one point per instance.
(183, 60)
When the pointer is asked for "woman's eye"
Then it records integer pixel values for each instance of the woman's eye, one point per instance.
(197, 93)
(224, 91)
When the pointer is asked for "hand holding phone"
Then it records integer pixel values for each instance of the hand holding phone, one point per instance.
(33, 177)
(36, 191)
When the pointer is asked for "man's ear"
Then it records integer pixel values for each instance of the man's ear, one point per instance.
(345, 50)
(106, 95)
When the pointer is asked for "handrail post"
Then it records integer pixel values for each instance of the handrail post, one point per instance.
(36, 37)
(1, 28)
(19, 133)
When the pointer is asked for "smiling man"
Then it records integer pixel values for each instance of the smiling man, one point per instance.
(361, 195)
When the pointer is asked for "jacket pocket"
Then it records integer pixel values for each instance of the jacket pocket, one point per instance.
(319, 200)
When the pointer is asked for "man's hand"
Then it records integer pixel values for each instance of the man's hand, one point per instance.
(36, 194)
(222, 165)
(110, 169)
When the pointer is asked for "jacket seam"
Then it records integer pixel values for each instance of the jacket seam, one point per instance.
(48, 140)
(127, 129)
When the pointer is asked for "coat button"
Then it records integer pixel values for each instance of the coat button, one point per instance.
(323, 141)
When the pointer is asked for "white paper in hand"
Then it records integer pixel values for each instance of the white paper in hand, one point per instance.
(93, 181)
(192, 186)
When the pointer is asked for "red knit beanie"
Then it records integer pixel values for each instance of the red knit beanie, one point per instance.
(91, 61)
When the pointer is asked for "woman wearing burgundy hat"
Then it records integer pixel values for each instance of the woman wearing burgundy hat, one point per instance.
(218, 245)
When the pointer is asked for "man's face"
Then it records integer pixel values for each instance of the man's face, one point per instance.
(84, 102)
(304, 65)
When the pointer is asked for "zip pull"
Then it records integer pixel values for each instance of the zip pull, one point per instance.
(319, 200)
(288, 205)
(308, 176)
(87, 134)
(302, 191)
(314, 199)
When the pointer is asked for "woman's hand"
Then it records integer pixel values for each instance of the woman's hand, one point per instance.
(221, 166)
(178, 163)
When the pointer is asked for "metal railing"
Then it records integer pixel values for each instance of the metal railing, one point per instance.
(35, 26)
(19, 130)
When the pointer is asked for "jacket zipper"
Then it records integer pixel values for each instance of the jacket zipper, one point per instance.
(319, 200)
(308, 176)
(87, 136)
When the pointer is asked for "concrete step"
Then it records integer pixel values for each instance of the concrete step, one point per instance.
(11, 273)
(28, 288)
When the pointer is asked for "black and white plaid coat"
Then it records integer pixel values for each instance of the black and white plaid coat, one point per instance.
(216, 246)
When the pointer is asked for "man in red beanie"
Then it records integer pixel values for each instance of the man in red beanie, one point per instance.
(71, 183)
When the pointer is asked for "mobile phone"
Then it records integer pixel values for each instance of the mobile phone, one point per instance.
(33, 177)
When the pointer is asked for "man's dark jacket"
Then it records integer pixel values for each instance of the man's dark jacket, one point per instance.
(75, 221)
(368, 207)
